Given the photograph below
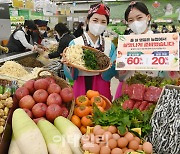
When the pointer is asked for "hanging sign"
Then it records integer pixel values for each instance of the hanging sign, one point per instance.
(148, 52)
(24, 13)
(18, 3)
(29, 4)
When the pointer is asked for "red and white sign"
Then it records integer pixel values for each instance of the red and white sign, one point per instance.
(148, 52)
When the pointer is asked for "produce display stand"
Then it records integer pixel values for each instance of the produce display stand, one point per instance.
(12, 56)
(5, 137)
(63, 84)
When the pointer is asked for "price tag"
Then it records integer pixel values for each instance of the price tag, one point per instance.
(148, 52)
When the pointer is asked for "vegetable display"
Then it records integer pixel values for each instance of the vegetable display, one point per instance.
(6, 102)
(45, 138)
(26, 133)
(86, 58)
(148, 81)
(106, 140)
(55, 142)
(121, 118)
(145, 119)
(71, 133)
(165, 134)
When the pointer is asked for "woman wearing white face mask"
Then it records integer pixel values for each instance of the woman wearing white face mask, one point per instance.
(64, 36)
(138, 19)
(97, 21)
(40, 33)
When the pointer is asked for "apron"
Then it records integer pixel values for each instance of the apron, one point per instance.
(84, 83)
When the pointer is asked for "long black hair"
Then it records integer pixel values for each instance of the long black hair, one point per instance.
(139, 6)
(61, 29)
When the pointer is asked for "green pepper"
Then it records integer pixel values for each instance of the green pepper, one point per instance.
(7, 89)
(1, 89)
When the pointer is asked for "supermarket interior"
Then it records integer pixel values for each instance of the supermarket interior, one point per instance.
(89, 77)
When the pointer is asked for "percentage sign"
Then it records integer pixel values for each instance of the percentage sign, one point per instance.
(166, 60)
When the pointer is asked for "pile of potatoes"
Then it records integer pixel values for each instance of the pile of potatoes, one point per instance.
(6, 102)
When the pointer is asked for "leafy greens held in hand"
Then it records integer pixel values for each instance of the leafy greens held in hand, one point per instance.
(121, 118)
(90, 60)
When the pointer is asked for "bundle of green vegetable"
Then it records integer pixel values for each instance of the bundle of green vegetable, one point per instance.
(90, 60)
(95, 60)
(86, 58)
(149, 80)
(123, 119)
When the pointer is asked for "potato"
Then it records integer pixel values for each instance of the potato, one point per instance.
(5, 117)
(1, 104)
(5, 96)
(2, 122)
(6, 111)
(1, 112)
(1, 129)
(9, 102)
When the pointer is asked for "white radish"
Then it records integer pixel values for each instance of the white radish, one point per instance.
(55, 142)
(71, 132)
(27, 135)
(13, 148)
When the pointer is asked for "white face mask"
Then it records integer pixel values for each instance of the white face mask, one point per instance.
(96, 29)
(42, 31)
(138, 27)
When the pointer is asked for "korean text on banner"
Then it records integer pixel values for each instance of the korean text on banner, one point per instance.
(148, 52)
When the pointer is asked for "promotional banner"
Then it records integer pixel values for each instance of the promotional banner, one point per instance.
(148, 52)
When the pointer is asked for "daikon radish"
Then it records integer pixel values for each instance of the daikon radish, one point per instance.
(71, 132)
(55, 142)
(27, 135)
(13, 148)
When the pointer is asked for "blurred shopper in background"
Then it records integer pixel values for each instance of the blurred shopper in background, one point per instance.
(21, 39)
(41, 32)
(79, 31)
(64, 36)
